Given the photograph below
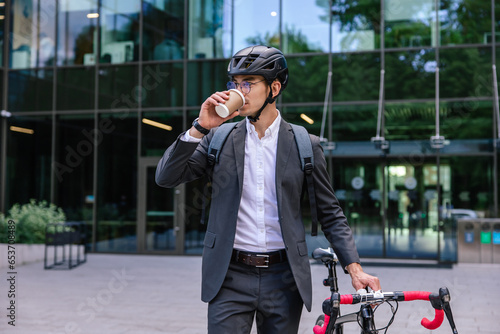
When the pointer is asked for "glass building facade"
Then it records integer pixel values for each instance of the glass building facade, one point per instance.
(402, 92)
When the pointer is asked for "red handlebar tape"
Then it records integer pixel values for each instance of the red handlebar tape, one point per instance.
(416, 295)
(346, 299)
(422, 295)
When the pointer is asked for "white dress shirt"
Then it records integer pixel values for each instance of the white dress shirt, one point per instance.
(258, 228)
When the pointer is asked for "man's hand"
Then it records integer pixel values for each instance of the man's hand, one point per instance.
(208, 117)
(360, 279)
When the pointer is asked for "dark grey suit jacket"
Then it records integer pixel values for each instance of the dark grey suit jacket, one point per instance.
(184, 162)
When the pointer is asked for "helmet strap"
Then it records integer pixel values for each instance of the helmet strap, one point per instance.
(269, 99)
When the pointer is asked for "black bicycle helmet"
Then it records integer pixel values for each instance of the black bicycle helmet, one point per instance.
(261, 60)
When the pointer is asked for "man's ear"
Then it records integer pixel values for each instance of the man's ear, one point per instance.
(276, 87)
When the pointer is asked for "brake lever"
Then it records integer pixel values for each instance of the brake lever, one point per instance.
(444, 296)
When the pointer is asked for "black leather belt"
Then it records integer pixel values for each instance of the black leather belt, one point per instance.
(259, 260)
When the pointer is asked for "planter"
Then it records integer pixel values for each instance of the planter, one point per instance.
(24, 254)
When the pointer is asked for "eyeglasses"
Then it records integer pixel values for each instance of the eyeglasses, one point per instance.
(245, 86)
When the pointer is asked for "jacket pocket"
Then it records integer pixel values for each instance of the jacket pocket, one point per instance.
(209, 240)
(302, 248)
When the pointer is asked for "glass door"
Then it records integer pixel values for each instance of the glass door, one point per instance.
(358, 186)
(412, 210)
(160, 228)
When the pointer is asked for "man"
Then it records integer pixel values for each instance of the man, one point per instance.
(255, 258)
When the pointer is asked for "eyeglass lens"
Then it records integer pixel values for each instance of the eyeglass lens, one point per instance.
(245, 86)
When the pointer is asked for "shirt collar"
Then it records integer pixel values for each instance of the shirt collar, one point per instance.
(271, 131)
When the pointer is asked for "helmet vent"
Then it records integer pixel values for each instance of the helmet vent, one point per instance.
(249, 60)
(270, 66)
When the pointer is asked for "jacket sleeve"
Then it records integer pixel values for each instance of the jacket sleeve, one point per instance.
(330, 215)
(182, 162)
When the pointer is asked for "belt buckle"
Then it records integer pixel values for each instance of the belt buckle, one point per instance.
(266, 261)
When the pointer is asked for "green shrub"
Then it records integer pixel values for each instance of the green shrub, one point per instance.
(30, 220)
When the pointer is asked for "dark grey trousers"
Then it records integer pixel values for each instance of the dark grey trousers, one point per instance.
(268, 294)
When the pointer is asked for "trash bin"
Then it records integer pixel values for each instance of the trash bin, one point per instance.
(468, 234)
(485, 241)
(496, 241)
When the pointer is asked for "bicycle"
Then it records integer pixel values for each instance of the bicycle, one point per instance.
(370, 301)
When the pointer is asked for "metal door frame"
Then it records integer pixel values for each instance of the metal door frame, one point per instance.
(179, 197)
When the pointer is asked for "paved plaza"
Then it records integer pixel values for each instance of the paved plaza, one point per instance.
(161, 294)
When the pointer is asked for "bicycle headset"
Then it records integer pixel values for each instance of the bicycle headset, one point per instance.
(261, 60)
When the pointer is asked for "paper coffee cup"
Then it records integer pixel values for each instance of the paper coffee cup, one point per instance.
(236, 101)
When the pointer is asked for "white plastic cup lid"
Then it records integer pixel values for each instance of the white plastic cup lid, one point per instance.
(223, 110)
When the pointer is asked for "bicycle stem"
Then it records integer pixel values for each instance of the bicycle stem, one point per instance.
(332, 307)
(332, 277)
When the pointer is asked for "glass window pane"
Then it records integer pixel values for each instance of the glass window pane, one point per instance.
(74, 165)
(465, 72)
(205, 78)
(30, 90)
(497, 23)
(75, 88)
(2, 23)
(29, 173)
(497, 61)
(305, 27)
(309, 117)
(410, 74)
(1, 90)
(465, 22)
(77, 32)
(162, 85)
(470, 119)
(210, 28)
(355, 76)
(117, 184)
(33, 33)
(409, 121)
(163, 32)
(256, 22)
(409, 23)
(47, 37)
(303, 85)
(118, 88)
(159, 130)
(471, 187)
(356, 25)
(23, 35)
(119, 31)
(354, 122)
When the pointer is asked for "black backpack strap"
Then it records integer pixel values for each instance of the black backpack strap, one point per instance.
(306, 155)
(213, 153)
(218, 141)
